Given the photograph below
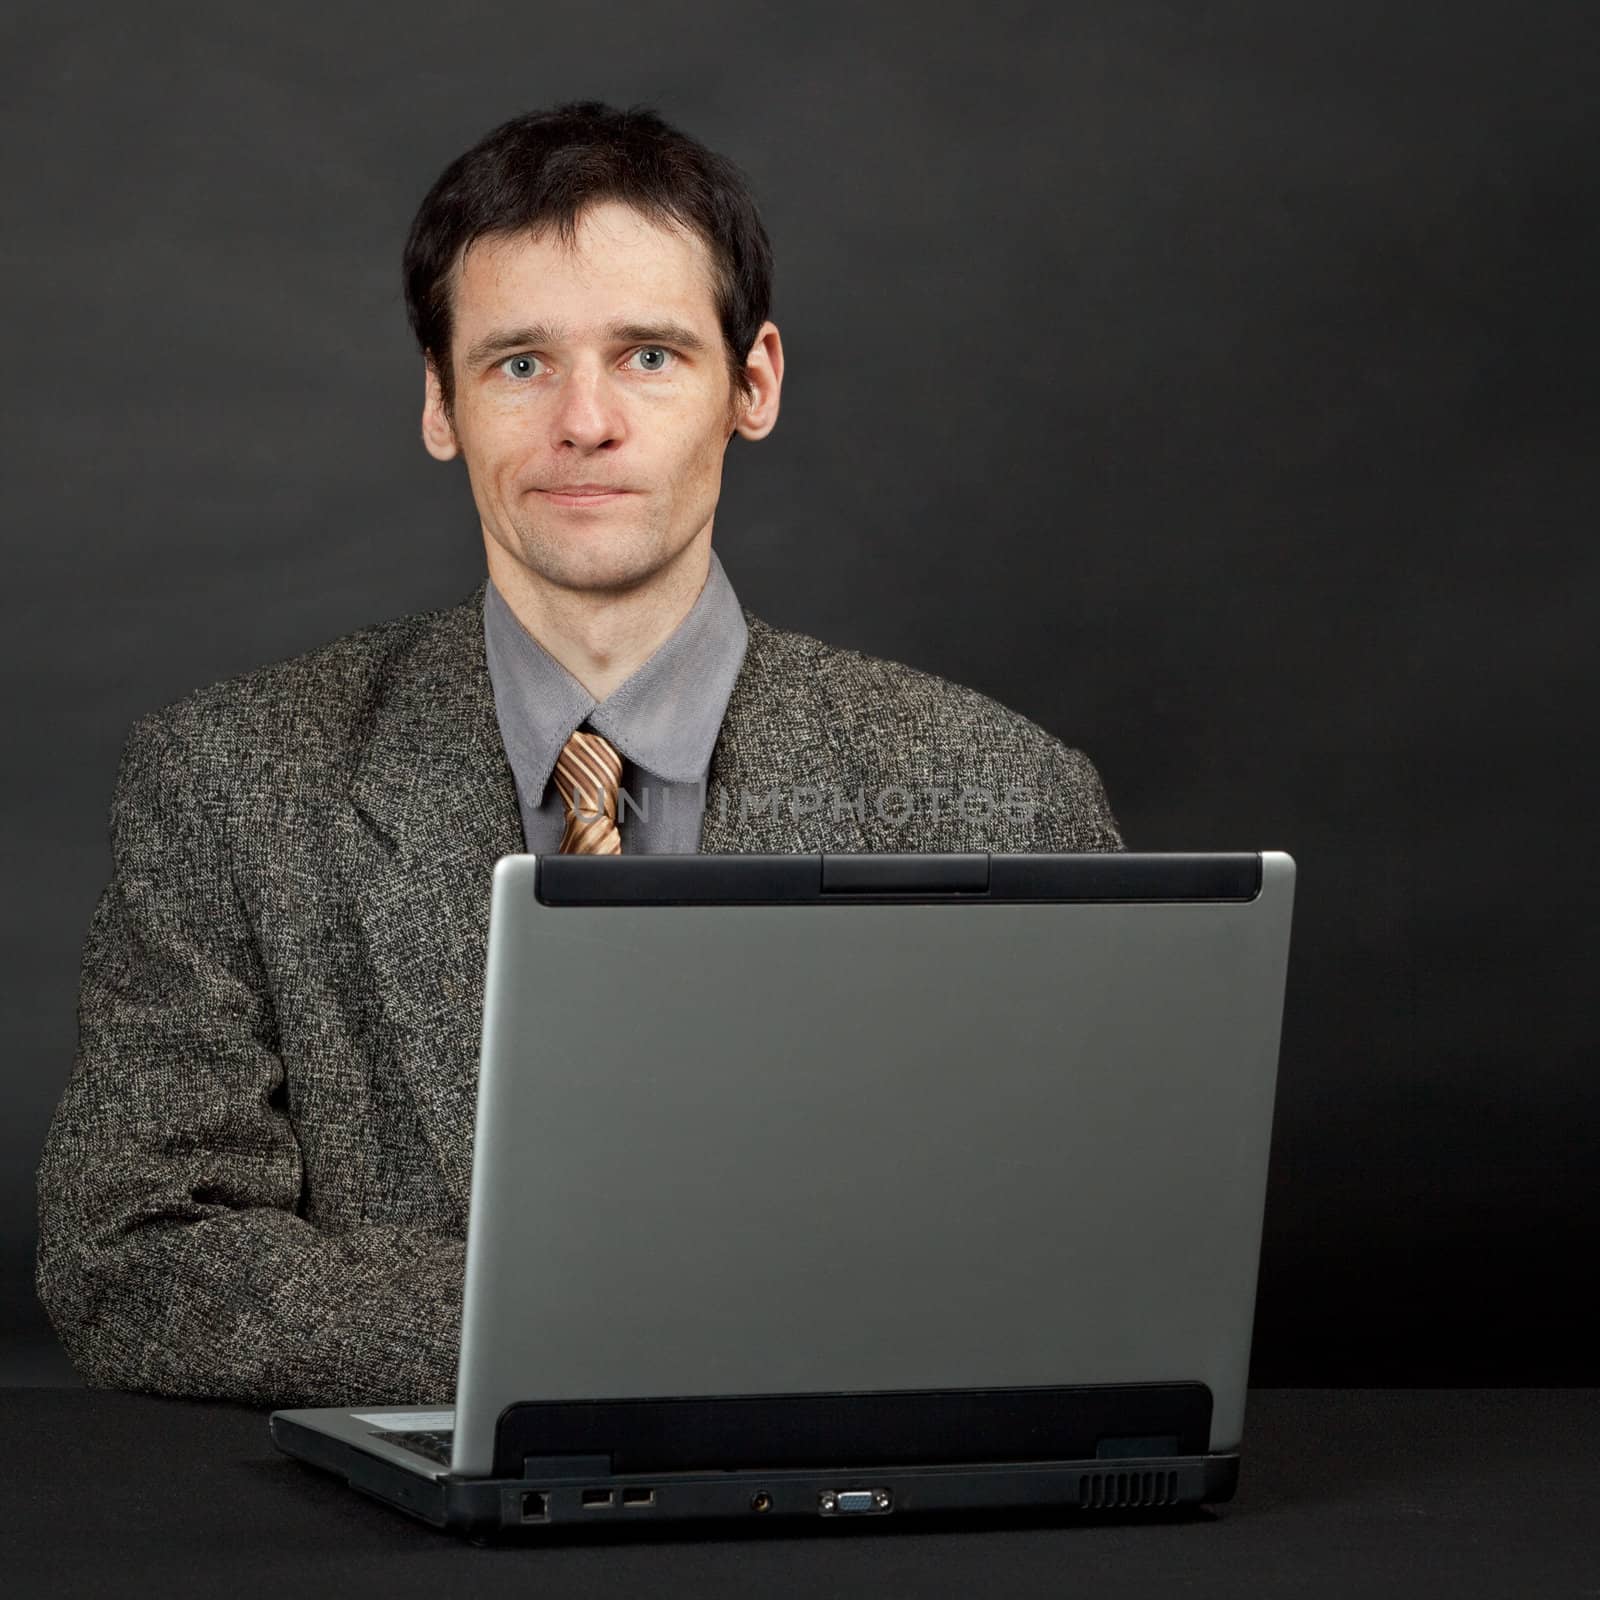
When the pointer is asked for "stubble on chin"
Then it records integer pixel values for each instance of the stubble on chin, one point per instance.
(616, 558)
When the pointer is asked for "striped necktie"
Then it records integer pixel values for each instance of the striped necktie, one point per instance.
(587, 776)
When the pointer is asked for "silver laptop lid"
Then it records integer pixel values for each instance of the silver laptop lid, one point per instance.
(870, 1123)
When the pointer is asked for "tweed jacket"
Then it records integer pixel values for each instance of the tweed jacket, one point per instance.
(255, 1184)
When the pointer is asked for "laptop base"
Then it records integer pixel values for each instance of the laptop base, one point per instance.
(502, 1508)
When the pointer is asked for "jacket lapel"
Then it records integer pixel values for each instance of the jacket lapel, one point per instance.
(435, 791)
(438, 807)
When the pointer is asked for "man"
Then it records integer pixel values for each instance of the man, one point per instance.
(256, 1183)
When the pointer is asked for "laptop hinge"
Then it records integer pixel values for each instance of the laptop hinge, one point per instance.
(845, 1430)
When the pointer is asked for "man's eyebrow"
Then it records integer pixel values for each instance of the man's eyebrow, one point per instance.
(503, 340)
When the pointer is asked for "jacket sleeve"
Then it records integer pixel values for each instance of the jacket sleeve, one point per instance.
(171, 1256)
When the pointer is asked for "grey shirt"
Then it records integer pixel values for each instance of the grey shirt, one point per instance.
(663, 720)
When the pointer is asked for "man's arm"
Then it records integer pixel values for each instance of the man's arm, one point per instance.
(171, 1258)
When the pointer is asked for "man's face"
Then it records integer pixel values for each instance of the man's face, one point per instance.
(600, 365)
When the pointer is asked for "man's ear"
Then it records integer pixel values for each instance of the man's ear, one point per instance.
(437, 434)
(764, 368)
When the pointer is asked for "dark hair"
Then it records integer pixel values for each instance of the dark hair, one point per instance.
(542, 169)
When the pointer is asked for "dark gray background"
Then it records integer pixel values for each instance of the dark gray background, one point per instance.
(1213, 384)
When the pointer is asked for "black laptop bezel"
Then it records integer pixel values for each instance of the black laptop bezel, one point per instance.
(831, 877)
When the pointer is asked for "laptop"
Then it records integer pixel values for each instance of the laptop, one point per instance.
(852, 1186)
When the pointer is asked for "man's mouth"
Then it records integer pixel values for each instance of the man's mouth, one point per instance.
(583, 495)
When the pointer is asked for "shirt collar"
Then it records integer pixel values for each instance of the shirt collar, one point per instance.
(664, 717)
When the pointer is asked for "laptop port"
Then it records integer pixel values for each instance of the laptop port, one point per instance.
(535, 1506)
(638, 1497)
(849, 1502)
(761, 1502)
(593, 1499)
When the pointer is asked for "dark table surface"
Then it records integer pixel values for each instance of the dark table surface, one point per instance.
(1354, 1493)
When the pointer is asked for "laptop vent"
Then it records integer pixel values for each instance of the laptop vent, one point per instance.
(1104, 1491)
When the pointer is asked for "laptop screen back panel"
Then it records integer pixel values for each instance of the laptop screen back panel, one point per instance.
(766, 1149)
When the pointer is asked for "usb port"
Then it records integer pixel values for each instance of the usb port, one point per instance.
(638, 1497)
(593, 1499)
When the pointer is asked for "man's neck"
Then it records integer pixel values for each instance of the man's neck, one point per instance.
(603, 637)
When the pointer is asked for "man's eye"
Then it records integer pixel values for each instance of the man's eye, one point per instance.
(655, 361)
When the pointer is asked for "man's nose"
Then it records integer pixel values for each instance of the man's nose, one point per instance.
(588, 412)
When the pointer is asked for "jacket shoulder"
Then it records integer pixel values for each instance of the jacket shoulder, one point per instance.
(865, 688)
(905, 724)
(314, 703)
